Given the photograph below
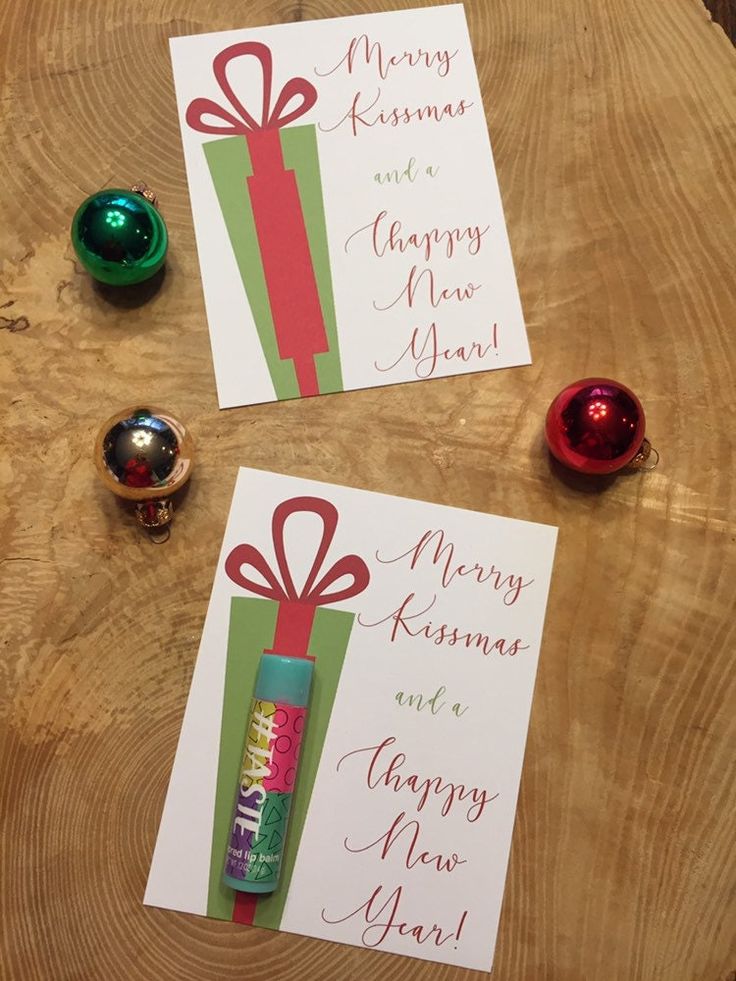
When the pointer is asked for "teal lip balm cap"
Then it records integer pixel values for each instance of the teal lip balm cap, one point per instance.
(284, 679)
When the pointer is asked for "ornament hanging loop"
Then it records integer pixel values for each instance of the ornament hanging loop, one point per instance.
(646, 459)
(159, 535)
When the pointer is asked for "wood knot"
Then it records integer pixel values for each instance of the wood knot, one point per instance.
(14, 325)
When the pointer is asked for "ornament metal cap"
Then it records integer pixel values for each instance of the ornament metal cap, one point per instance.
(646, 459)
(144, 455)
(140, 187)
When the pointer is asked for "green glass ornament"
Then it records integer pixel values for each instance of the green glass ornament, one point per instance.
(119, 236)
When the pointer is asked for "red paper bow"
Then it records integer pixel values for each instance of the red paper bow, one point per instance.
(270, 118)
(296, 609)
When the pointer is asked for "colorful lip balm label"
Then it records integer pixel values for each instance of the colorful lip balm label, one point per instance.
(349, 222)
(264, 794)
(421, 625)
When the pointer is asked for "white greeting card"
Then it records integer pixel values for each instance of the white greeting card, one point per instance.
(348, 218)
(424, 622)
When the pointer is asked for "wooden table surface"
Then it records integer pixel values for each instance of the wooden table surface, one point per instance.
(614, 131)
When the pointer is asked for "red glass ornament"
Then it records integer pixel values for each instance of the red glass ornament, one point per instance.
(596, 426)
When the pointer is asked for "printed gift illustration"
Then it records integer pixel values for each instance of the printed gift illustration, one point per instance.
(348, 218)
(351, 750)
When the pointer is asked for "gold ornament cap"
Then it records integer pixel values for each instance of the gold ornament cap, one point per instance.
(140, 187)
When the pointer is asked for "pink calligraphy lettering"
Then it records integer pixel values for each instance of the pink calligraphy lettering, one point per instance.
(426, 352)
(381, 773)
(390, 236)
(361, 114)
(403, 626)
(362, 50)
(382, 919)
(412, 855)
(443, 556)
(432, 293)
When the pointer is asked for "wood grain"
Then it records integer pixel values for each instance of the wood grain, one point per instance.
(615, 146)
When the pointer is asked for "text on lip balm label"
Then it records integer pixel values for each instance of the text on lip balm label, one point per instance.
(267, 780)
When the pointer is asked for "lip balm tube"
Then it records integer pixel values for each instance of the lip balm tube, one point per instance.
(278, 712)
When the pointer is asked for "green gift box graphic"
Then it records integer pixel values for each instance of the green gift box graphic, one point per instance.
(291, 622)
(267, 181)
